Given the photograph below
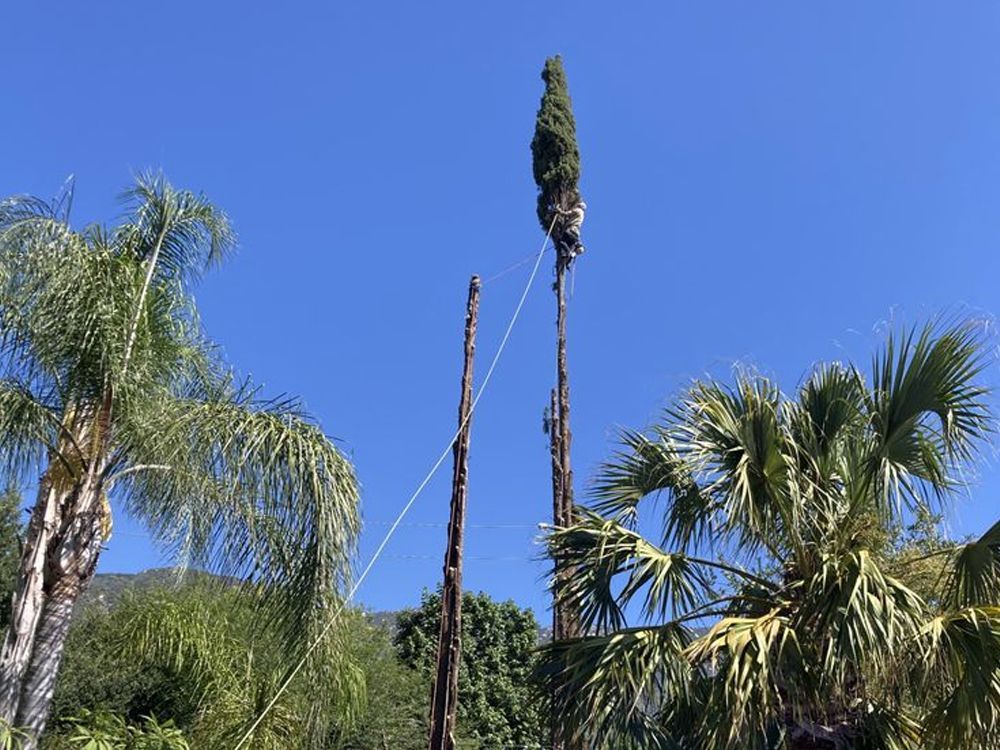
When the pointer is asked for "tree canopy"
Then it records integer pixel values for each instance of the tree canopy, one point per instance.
(497, 705)
(554, 151)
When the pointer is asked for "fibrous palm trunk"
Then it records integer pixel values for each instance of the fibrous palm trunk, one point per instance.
(68, 525)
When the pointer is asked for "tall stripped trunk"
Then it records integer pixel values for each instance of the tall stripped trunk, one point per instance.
(557, 495)
(68, 525)
(444, 701)
(566, 622)
(570, 622)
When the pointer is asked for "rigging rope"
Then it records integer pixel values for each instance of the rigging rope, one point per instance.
(413, 498)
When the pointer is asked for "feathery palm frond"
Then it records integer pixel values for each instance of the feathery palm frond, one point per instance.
(28, 429)
(249, 487)
(183, 230)
(208, 632)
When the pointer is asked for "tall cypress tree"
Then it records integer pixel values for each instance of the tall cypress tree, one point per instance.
(556, 164)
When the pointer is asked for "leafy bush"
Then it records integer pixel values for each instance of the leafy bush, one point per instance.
(104, 731)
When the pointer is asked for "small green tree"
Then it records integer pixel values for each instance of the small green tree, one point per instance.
(105, 731)
(98, 676)
(497, 706)
(226, 664)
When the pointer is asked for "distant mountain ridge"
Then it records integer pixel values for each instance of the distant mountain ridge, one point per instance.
(108, 589)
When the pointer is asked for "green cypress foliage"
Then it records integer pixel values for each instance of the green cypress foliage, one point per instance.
(555, 155)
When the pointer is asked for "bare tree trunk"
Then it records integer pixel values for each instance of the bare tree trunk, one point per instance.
(69, 567)
(444, 702)
(570, 621)
(557, 497)
(566, 623)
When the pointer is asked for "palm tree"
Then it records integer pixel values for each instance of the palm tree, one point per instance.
(108, 388)
(771, 614)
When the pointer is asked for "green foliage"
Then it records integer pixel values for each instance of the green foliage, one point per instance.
(10, 551)
(198, 655)
(395, 713)
(826, 626)
(99, 675)
(918, 555)
(554, 151)
(497, 704)
(231, 665)
(103, 731)
(11, 738)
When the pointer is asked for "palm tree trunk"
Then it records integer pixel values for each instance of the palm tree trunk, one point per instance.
(570, 621)
(70, 565)
(557, 497)
(59, 559)
(50, 640)
(28, 600)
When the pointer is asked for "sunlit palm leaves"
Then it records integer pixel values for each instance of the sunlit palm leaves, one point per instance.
(775, 518)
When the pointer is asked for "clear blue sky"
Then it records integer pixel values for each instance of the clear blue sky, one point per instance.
(768, 183)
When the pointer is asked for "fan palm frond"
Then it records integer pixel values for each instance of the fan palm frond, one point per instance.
(964, 646)
(975, 576)
(611, 686)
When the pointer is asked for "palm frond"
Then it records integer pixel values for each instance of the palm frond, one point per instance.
(735, 438)
(251, 488)
(610, 688)
(928, 410)
(963, 647)
(183, 229)
(208, 632)
(599, 552)
(646, 467)
(859, 615)
(975, 575)
(756, 666)
(29, 429)
(829, 408)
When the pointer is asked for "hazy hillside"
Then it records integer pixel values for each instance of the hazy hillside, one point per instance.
(107, 589)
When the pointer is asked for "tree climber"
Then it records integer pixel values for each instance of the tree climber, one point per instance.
(572, 220)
